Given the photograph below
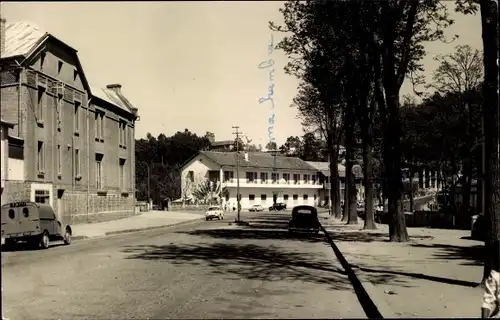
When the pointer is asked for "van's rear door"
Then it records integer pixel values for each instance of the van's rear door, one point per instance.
(10, 221)
(28, 220)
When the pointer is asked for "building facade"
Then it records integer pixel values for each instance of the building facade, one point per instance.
(66, 125)
(11, 158)
(263, 178)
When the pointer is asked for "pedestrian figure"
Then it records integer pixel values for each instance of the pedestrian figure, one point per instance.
(491, 297)
(166, 203)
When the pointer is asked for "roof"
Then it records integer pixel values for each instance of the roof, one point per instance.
(6, 123)
(21, 38)
(222, 143)
(324, 168)
(110, 96)
(258, 160)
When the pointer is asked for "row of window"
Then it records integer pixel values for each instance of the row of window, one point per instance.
(99, 117)
(77, 165)
(251, 177)
(263, 197)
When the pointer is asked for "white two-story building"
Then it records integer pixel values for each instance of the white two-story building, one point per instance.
(264, 178)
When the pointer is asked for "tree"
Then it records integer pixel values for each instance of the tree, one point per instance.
(292, 146)
(313, 149)
(460, 73)
(271, 145)
(208, 191)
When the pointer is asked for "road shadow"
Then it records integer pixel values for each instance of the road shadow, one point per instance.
(364, 236)
(399, 274)
(470, 255)
(23, 246)
(253, 262)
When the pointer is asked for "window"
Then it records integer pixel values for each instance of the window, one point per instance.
(263, 198)
(26, 212)
(295, 198)
(59, 160)
(122, 134)
(263, 177)
(59, 66)
(42, 196)
(251, 198)
(41, 157)
(228, 176)
(99, 125)
(274, 177)
(251, 177)
(313, 177)
(296, 178)
(12, 214)
(76, 117)
(59, 112)
(305, 197)
(285, 198)
(77, 163)
(40, 104)
(306, 178)
(191, 176)
(122, 174)
(315, 197)
(286, 177)
(98, 170)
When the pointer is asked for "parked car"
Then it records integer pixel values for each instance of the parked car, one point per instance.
(256, 208)
(34, 223)
(277, 206)
(304, 219)
(214, 213)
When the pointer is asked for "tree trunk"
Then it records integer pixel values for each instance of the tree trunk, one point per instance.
(350, 207)
(392, 160)
(412, 174)
(489, 20)
(334, 180)
(368, 182)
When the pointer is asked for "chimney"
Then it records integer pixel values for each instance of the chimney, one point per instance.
(246, 156)
(116, 87)
(2, 36)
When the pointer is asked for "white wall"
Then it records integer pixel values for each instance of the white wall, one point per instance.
(200, 170)
(246, 192)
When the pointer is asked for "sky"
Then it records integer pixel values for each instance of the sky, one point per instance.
(195, 65)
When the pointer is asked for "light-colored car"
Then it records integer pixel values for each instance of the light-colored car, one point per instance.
(214, 213)
(256, 208)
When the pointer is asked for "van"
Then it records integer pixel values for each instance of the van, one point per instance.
(32, 222)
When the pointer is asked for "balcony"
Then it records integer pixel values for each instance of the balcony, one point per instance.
(257, 183)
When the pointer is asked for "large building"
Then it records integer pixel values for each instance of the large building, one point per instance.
(78, 140)
(263, 178)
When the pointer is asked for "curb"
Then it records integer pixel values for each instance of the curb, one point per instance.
(365, 290)
(111, 233)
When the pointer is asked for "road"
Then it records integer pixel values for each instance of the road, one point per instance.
(208, 269)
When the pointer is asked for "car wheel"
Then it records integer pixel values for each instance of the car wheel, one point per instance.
(44, 240)
(206, 219)
(222, 217)
(67, 237)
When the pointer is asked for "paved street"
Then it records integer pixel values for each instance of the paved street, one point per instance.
(202, 270)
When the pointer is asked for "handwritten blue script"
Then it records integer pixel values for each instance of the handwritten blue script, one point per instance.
(269, 65)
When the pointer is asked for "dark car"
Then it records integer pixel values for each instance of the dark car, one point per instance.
(478, 229)
(304, 219)
(277, 206)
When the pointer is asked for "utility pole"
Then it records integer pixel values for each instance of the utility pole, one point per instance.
(237, 133)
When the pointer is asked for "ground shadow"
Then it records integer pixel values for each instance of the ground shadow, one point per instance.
(254, 262)
(471, 255)
(23, 246)
(422, 276)
(364, 236)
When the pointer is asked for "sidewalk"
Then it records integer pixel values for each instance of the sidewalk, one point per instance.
(144, 221)
(433, 275)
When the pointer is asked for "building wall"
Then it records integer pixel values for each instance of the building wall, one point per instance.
(72, 192)
(281, 193)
